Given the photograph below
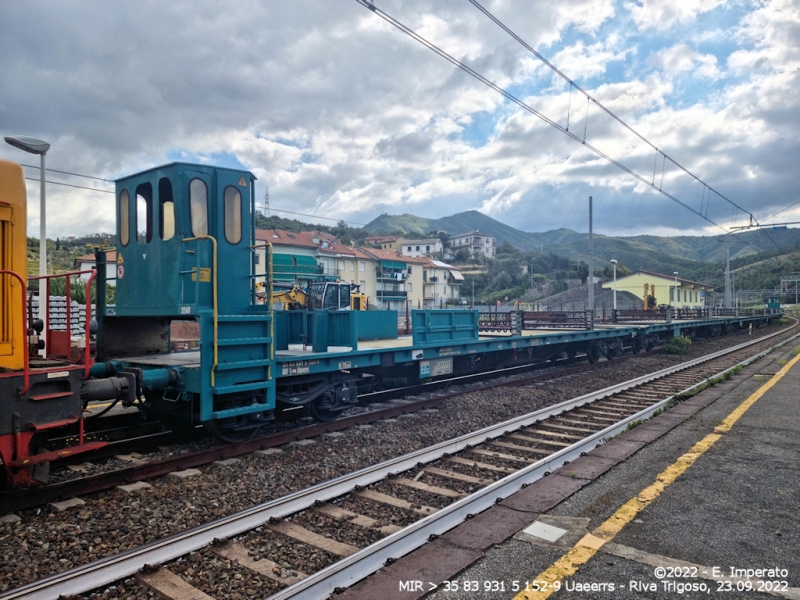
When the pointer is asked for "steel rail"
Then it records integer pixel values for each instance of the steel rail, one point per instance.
(37, 496)
(364, 562)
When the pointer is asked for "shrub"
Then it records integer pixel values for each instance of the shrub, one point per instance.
(677, 345)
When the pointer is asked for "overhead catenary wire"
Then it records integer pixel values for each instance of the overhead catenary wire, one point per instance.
(83, 187)
(314, 216)
(509, 96)
(666, 157)
(589, 97)
(783, 210)
(72, 185)
(69, 173)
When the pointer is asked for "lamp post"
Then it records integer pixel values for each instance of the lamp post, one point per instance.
(614, 262)
(676, 287)
(34, 146)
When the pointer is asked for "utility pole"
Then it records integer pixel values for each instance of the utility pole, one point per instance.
(796, 278)
(728, 280)
(614, 262)
(591, 264)
(531, 275)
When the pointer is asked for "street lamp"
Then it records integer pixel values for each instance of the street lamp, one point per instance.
(676, 287)
(614, 262)
(34, 146)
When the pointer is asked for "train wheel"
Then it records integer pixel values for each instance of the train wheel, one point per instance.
(239, 429)
(324, 408)
(611, 354)
(647, 345)
(593, 353)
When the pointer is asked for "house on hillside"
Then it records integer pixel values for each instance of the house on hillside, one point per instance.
(421, 247)
(441, 283)
(475, 242)
(667, 289)
(398, 279)
(87, 263)
(384, 242)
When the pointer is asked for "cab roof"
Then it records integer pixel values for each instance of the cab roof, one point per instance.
(185, 164)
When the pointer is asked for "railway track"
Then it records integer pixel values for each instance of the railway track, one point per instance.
(355, 523)
(21, 499)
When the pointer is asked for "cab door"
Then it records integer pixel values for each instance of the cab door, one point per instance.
(232, 227)
(197, 257)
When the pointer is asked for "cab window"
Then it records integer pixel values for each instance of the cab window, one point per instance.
(198, 206)
(317, 290)
(124, 218)
(233, 215)
(331, 297)
(144, 213)
(166, 209)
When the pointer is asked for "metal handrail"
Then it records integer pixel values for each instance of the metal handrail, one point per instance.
(214, 295)
(26, 370)
(66, 275)
(87, 355)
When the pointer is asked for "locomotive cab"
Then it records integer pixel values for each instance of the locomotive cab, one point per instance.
(185, 251)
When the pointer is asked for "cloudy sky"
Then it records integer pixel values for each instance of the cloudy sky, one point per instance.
(343, 116)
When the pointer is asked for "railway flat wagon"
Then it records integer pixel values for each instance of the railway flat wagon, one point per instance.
(186, 251)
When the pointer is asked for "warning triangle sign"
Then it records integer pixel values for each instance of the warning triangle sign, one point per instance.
(242, 182)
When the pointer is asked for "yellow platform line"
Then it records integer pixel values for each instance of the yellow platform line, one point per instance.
(545, 583)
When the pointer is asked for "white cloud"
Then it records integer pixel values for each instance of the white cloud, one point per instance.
(663, 14)
(681, 58)
(579, 61)
(343, 116)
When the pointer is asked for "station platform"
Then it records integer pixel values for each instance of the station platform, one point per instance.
(701, 501)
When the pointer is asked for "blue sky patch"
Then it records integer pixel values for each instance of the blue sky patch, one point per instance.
(480, 130)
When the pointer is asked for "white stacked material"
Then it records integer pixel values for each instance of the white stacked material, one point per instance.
(58, 314)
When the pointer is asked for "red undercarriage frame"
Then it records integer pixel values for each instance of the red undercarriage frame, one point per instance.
(15, 450)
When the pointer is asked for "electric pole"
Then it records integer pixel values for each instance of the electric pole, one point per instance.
(591, 264)
(728, 280)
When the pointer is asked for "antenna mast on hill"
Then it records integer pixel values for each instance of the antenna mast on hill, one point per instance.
(266, 201)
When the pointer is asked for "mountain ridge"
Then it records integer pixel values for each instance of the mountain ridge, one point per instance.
(649, 252)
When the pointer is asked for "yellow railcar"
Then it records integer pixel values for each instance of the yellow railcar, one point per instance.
(13, 257)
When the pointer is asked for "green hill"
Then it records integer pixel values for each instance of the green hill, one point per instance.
(653, 253)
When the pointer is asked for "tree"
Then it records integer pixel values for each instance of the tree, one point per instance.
(502, 281)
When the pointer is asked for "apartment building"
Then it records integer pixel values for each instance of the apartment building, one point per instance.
(389, 279)
(417, 248)
(475, 242)
(384, 242)
(441, 283)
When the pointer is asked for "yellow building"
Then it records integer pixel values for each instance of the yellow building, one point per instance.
(690, 294)
(385, 242)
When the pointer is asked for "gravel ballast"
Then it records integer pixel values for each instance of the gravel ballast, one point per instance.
(44, 543)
